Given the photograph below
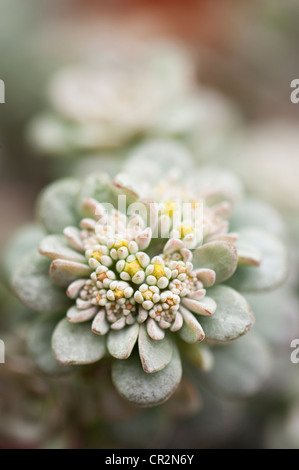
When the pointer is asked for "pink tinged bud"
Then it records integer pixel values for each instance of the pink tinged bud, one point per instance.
(74, 315)
(206, 276)
(197, 295)
(174, 244)
(147, 304)
(178, 322)
(144, 238)
(142, 315)
(154, 330)
(88, 224)
(100, 326)
(119, 324)
(75, 287)
(143, 259)
(139, 277)
(72, 235)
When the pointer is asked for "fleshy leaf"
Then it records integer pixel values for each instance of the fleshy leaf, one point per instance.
(191, 331)
(274, 266)
(154, 354)
(232, 318)
(248, 254)
(144, 389)
(39, 344)
(220, 256)
(276, 315)
(97, 186)
(34, 287)
(255, 213)
(56, 246)
(156, 157)
(120, 343)
(63, 272)
(75, 343)
(241, 368)
(56, 206)
(122, 185)
(217, 184)
(24, 240)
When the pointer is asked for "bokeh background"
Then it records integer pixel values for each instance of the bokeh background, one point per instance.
(247, 53)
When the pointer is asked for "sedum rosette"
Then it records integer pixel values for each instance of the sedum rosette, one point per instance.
(145, 285)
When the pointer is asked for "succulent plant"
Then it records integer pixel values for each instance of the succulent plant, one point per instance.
(127, 275)
(105, 101)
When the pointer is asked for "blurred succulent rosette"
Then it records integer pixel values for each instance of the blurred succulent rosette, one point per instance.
(147, 271)
(101, 104)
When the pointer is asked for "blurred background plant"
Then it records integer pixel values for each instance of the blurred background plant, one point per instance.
(235, 61)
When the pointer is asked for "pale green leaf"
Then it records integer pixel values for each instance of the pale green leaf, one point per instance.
(56, 205)
(34, 287)
(144, 389)
(233, 316)
(154, 354)
(273, 269)
(75, 343)
(220, 256)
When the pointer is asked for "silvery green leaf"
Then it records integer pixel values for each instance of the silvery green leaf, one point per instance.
(120, 343)
(191, 331)
(154, 354)
(24, 240)
(220, 256)
(56, 205)
(217, 184)
(198, 354)
(155, 157)
(123, 185)
(248, 254)
(241, 368)
(97, 186)
(274, 266)
(233, 316)
(276, 315)
(56, 246)
(34, 287)
(63, 272)
(39, 344)
(76, 315)
(75, 343)
(259, 214)
(144, 389)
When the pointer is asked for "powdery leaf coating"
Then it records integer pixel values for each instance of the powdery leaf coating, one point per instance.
(74, 343)
(241, 368)
(33, 285)
(25, 239)
(55, 206)
(273, 269)
(56, 246)
(154, 157)
(257, 213)
(276, 315)
(144, 389)
(220, 256)
(154, 355)
(120, 343)
(191, 331)
(233, 316)
(63, 272)
(39, 344)
(97, 186)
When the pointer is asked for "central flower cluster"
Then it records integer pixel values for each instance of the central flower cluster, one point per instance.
(126, 284)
